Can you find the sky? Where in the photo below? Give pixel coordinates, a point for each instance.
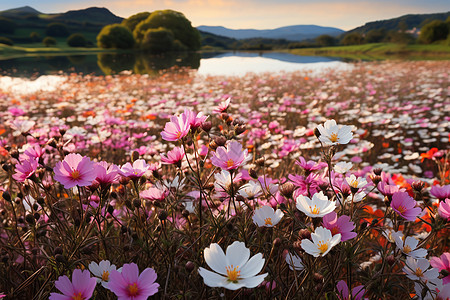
(255, 14)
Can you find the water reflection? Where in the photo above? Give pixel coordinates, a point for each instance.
(227, 63)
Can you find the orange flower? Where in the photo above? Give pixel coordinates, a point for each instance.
(429, 154)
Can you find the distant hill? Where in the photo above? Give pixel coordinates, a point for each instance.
(290, 33)
(98, 15)
(411, 21)
(24, 10)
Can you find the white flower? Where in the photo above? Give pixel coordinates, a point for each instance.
(322, 242)
(343, 167)
(317, 207)
(417, 269)
(266, 216)
(250, 190)
(232, 270)
(102, 271)
(409, 245)
(332, 134)
(294, 262)
(356, 183)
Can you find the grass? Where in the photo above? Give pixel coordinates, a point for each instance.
(7, 52)
(380, 51)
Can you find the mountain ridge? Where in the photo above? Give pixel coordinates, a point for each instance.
(292, 33)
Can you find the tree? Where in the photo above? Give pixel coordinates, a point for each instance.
(375, 36)
(158, 40)
(115, 36)
(7, 26)
(49, 41)
(354, 38)
(134, 20)
(77, 40)
(174, 21)
(325, 40)
(35, 37)
(434, 31)
(57, 30)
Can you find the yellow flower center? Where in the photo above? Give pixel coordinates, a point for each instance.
(233, 273)
(401, 209)
(133, 289)
(230, 163)
(77, 296)
(268, 221)
(315, 210)
(334, 137)
(75, 174)
(419, 272)
(105, 276)
(322, 247)
(406, 249)
(354, 184)
(178, 134)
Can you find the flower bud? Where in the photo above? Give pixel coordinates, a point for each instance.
(318, 277)
(287, 189)
(190, 266)
(418, 186)
(316, 132)
(137, 203)
(252, 173)
(124, 180)
(276, 242)
(220, 140)
(14, 153)
(390, 260)
(260, 162)
(162, 215)
(377, 171)
(6, 196)
(375, 179)
(304, 234)
(52, 143)
(30, 219)
(206, 126)
(239, 129)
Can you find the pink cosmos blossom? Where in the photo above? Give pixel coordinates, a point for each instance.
(174, 156)
(405, 206)
(310, 165)
(25, 169)
(81, 287)
(75, 170)
(107, 174)
(387, 189)
(195, 120)
(129, 285)
(440, 192)
(343, 293)
(231, 157)
(222, 106)
(442, 263)
(158, 193)
(177, 128)
(34, 151)
(341, 225)
(444, 209)
(136, 170)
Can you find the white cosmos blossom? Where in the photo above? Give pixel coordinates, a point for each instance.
(250, 190)
(232, 270)
(355, 182)
(294, 262)
(102, 270)
(322, 242)
(408, 245)
(343, 167)
(266, 216)
(317, 207)
(418, 269)
(332, 134)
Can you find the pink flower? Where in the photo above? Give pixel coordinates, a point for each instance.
(405, 206)
(75, 170)
(195, 120)
(107, 174)
(155, 193)
(222, 106)
(177, 128)
(230, 158)
(357, 291)
(444, 209)
(310, 165)
(442, 263)
(136, 170)
(174, 156)
(387, 189)
(25, 169)
(34, 151)
(129, 285)
(341, 225)
(440, 192)
(81, 287)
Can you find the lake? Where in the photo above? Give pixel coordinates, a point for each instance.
(227, 63)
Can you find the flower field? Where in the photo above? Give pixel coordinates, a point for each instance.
(302, 185)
